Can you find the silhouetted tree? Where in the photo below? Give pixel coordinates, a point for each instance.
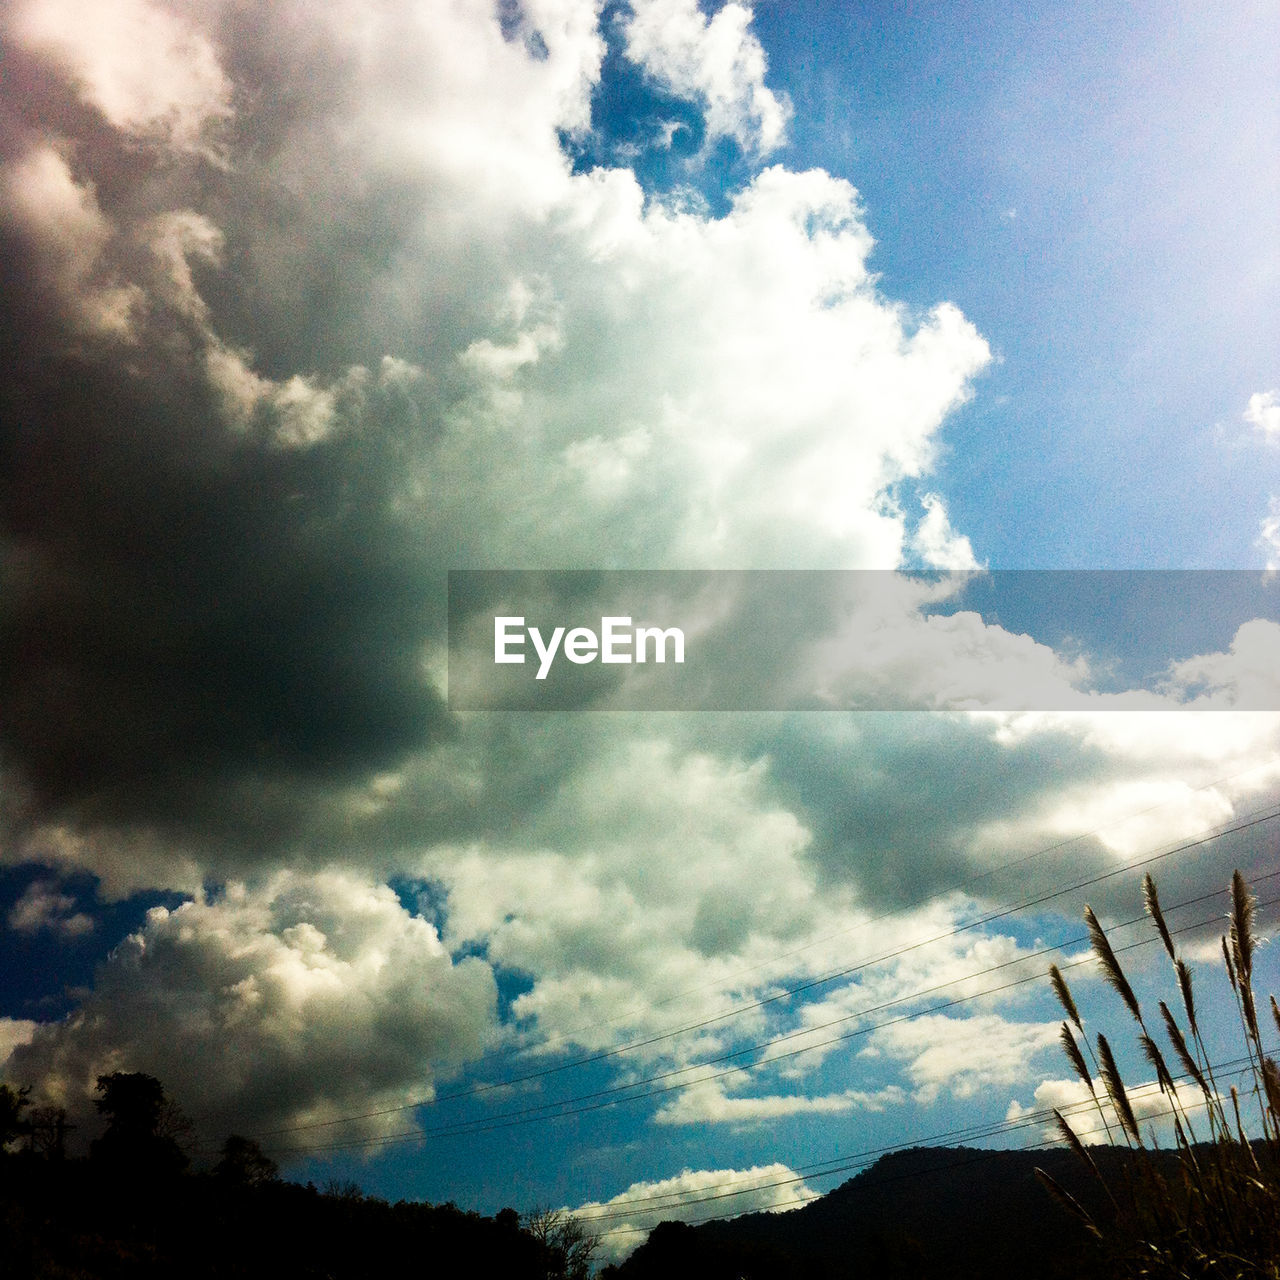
(569, 1245)
(47, 1131)
(138, 1140)
(245, 1164)
(343, 1189)
(13, 1102)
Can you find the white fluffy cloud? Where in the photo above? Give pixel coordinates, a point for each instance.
(43, 907)
(637, 894)
(1097, 1123)
(1263, 414)
(715, 61)
(709, 1103)
(678, 387)
(962, 1057)
(146, 66)
(937, 544)
(1246, 677)
(309, 998)
(625, 1220)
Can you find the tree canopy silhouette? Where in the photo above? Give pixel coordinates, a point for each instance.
(243, 1163)
(136, 1142)
(13, 1102)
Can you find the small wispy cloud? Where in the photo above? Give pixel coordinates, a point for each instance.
(1263, 414)
(43, 907)
(624, 1222)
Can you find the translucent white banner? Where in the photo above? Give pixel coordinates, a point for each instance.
(864, 640)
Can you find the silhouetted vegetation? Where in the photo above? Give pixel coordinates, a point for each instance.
(139, 1144)
(569, 1245)
(133, 1209)
(1207, 1207)
(1216, 1211)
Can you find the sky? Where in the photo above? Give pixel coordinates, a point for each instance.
(305, 307)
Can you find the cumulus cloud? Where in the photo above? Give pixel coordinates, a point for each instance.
(149, 70)
(714, 60)
(1246, 676)
(937, 544)
(625, 1220)
(297, 329)
(43, 907)
(961, 1057)
(231, 545)
(671, 872)
(709, 1103)
(1263, 414)
(1097, 1123)
(310, 998)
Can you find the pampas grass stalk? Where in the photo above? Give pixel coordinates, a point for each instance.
(1220, 1215)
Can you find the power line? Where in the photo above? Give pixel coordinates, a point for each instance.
(668, 1082)
(1213, 833)
(968, 882)
(864, 1159)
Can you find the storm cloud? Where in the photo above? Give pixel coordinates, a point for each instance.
(301, 309)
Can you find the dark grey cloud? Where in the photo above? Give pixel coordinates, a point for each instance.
(187, 608)
(269, 374)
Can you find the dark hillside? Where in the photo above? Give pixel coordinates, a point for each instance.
(66, 1221)
(928, 1212)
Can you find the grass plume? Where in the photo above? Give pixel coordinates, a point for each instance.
(1111, 969)
(1217, 1213)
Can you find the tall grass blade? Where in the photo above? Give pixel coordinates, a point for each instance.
(1189, 1064)
(1114, 1084)
(1063, 992)
(1074, 1056)
(1242, 911)
(1111, 969)
(1271, 1083)
(1156, 1058)
(1068, 1202)
(1152, 901)
(1188, 997)
(1204, 1211)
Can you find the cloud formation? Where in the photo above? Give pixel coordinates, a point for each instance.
(43, 907)
(1096, 1122)
(715, 61)
(264, 401)
(709, 1103)
(310, 999)
(294, 328)
(961, 1056)
(1263, 414)
(625, 1220)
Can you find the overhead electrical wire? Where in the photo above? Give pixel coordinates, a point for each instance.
(482, 1087)
(1213, 833)
(967, 883)
(662, 1201)
(581, 1104)
(604, 1098)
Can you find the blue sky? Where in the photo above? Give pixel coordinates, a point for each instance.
(1096, 188)
(300, 314)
